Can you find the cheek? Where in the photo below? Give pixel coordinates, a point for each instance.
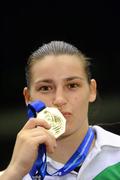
(80, 103)
(82, 98)
(46, 99)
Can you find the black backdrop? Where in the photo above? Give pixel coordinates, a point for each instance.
(94, 27)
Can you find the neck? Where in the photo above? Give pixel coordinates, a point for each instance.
(66, 146)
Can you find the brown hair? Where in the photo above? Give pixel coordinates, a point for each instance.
(56, 48)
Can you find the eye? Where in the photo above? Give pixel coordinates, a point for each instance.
(73, 85)
(45, 89)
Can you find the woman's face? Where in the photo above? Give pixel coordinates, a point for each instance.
(61, 81)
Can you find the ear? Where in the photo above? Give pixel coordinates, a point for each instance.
(26, 94)
(93, 90)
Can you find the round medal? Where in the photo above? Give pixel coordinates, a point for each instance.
(55, 118)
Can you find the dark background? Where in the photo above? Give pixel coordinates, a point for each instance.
(92, 26)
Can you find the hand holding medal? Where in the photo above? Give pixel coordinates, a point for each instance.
(50, 114)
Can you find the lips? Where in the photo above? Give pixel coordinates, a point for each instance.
(66, 114)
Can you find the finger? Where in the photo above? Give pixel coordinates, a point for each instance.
(34, 122)
(36, 136)
(46, 139)
(39, 131)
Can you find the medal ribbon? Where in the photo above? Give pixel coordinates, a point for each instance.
(40, 166)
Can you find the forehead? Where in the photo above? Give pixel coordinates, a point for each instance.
(66, 60)
(59, 66)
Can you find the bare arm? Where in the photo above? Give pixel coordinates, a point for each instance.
(26, 148)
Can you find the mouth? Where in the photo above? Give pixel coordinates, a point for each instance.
(66, 114)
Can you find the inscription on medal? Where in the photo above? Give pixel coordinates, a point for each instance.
(55, 118)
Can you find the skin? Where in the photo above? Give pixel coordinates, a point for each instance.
(59, 81)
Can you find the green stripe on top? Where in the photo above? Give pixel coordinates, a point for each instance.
(110, 173)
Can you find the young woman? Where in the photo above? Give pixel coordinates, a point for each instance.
(58, 74)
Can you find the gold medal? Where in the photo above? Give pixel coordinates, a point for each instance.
(55, 118)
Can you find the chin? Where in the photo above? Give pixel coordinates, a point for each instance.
(66, 134)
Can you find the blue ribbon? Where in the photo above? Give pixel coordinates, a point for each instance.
(35, 107)
(40, 166)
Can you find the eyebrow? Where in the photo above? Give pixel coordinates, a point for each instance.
(65, 79)
(45, 80)
(74, 77)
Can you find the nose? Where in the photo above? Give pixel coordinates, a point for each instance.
(59, 99)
